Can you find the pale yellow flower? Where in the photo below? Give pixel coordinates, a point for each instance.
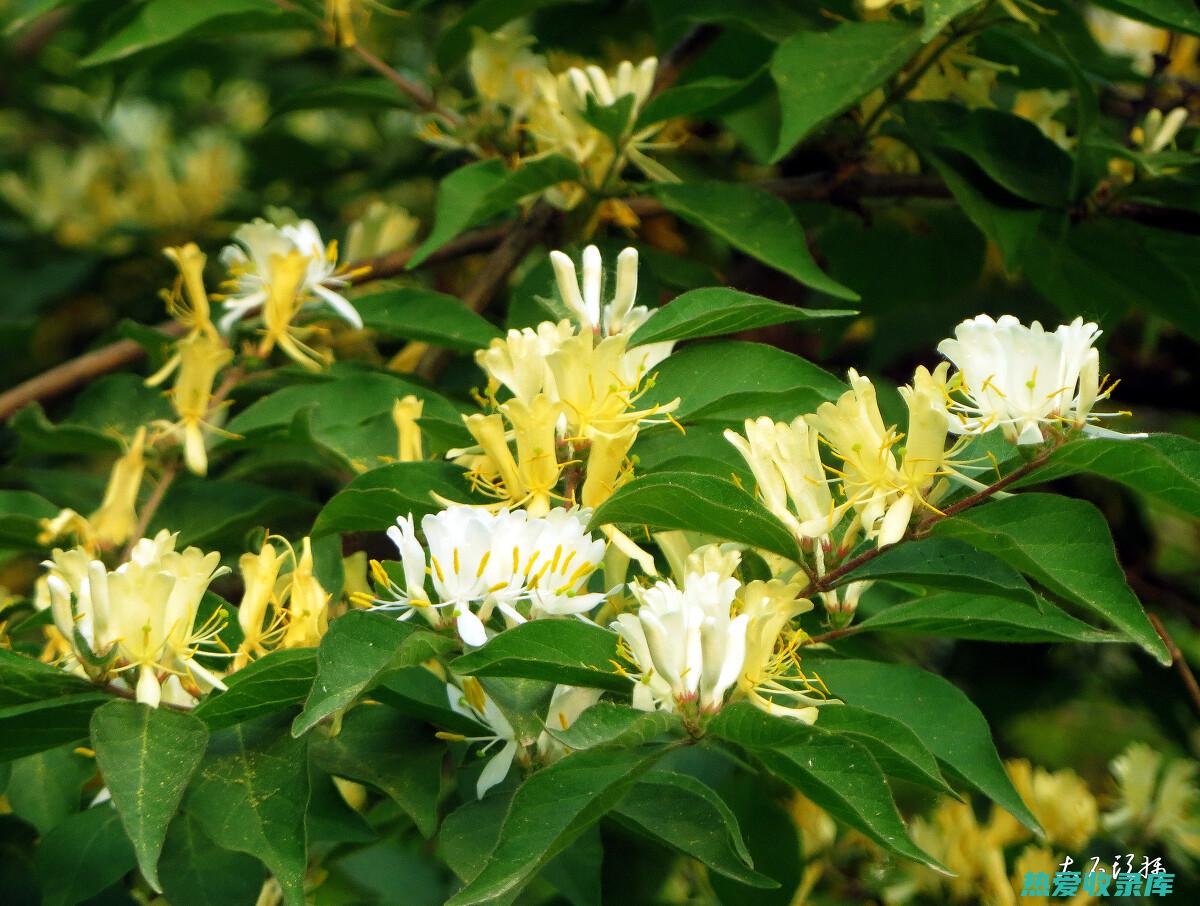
(201, 356)
(405, 413)
(259, 613)
(116, 520)
(307, 603)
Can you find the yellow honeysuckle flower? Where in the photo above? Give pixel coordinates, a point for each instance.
(201, 357)
(116, 519)
(259, 614)
(142, 615)
(607, 464)
(187, 302)
(534, 430)
(307, 603)
(405, 413)
(503, 68)
(771, 673)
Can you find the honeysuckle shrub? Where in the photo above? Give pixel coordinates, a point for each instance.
(582, 452)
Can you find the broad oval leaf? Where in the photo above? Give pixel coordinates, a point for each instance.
(194, 870)
(355, 653)
(422, 314)
(251, 793)
(567, 651)
(82, 856)
(374, 500)
(897, 749)
(751, 375)
(399, 756)
(940, 715)
(147, 756)
(689, 817)
(697, 502)
(275, 681)
(834, 771)
(823, 73)
(550, 810)
(948, 564)
(753, 221)
(611, 724)
(36, 726)
(717, 310)
(1064, 545)
(983, 618)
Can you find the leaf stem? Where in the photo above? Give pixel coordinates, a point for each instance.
(1180, 662)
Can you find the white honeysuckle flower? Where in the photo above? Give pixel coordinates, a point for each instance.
(472, 702)
(142, 614)
(481, 561)
(1158, 131)
(1024, 379)
(687, 646)
(252, 259)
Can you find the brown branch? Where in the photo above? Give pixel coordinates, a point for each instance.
(420, 95)
(151, 507)
(1180, 662)
(77, 371)
(675, 60)
(496, 270)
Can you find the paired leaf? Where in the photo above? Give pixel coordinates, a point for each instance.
(355, 653)
(21, 515)
(194, 870)
(1065, 545)
(567, 651)
(753, 221)
(147, 756)
(275, 681)
(821, 74)
(619, 726)
(696, 502)
(941, 716)
(36, 726)
(251, 793)
(897, 749)
(421, 314)
(717, 310)
(45, 788)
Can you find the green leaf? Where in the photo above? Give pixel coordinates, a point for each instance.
(330, 819)
(897, 749)
(26, 681)
(771, 837)
(717, 310)
(207, 512)
(82, 856)
(196, 871)
(940, 715)
(161, 21)
(1177, 15)
(421, 314)
(346, 94)
(753, 221)
(983, 618)
(355, 653)
(523, 702)
(696, 97)
(567, 651)
(21, 513)
(147, 756)
(751, 374)
(392, 753)
(251, 793)
(948, 564)
(834, 771)
(940, 13)
(45, 788)
(37, 726)
(551, 809)
(374, 500)
(700, 503)
(1164, 468)
(1064, 545)
(275, 681)
(1010, 149)
(821, 74)
(480, 191)
(619, 726)
(686, 815)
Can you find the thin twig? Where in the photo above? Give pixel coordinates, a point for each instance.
(675, 60)
(1180, 662)
(151, 507)
(420, 95)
